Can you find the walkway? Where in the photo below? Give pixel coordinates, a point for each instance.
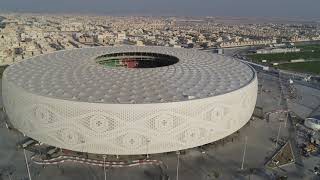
(62, 159)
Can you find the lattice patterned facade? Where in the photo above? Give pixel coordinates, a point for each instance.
(66, 99)
(124, 129)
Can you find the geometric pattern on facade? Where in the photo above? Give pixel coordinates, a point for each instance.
(76, 76)
(128, 129)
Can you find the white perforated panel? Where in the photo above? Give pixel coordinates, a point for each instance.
(75, 75)
(126, 129)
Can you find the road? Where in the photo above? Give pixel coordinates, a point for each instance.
(284, 77)
(291, 128)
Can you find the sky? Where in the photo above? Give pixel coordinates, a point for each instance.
(243, 8)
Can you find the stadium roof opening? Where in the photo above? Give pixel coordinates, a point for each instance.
(136, 60)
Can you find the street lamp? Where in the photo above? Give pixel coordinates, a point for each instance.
(244, 152)
(25, 157)
(178, 161)
(285, 125)
(278, 135)
(104, 167)
(148, 148)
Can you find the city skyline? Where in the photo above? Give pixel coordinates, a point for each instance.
(244, 8)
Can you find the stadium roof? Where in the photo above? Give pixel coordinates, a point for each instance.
(76, 75)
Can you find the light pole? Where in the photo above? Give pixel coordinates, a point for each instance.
(278, 135)
(25, 157)
(285, 123)
(261, 90)
(178, 161)
(104, 167)
(244, 151)
(148, 148)
(281, 88)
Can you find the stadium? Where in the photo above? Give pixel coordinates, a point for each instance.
(129, 100)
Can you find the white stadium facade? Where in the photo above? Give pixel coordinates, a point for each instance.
(129, 100)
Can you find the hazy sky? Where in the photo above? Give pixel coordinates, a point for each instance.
(260, 8)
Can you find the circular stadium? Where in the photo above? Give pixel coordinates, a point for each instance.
(129, 100)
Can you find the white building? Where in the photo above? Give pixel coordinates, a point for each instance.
(277, 50)
(121, 36)
(132, 111)
(313, 122)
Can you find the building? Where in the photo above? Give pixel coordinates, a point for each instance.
(129, 100)
(121, 36)
(277, 50)
(313, 122)
(139, 43)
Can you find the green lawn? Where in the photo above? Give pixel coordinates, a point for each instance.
(285, 57)
(310, 67)
(308, 52)
(315, 47)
